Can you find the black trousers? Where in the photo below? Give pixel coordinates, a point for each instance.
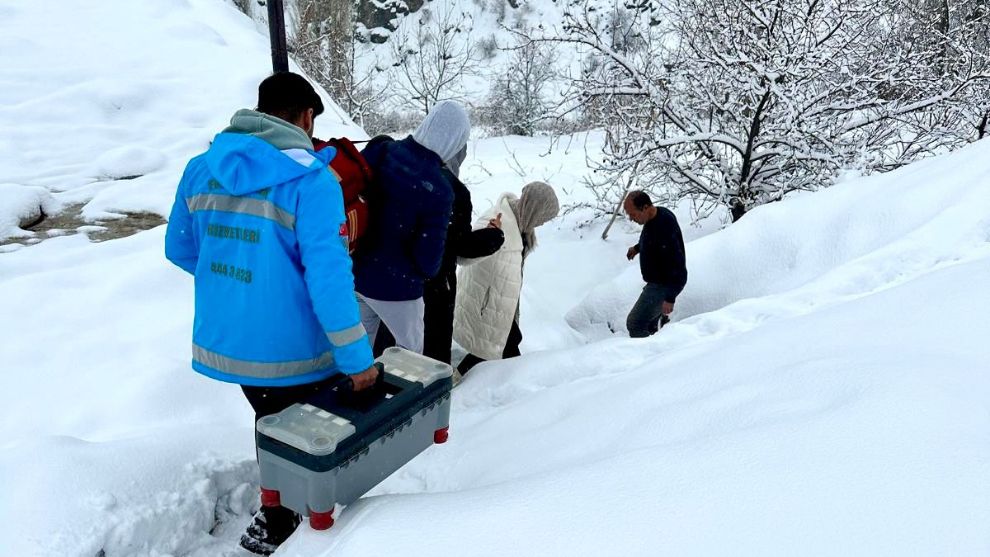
(271, 400)
(511, 350)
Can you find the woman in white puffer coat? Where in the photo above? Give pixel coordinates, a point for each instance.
(486, 316)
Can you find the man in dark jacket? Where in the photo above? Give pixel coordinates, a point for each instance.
(661, 260)
(440, 291)
(410, 205)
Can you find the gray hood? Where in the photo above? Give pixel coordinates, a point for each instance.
(276, 131)
(445, 130)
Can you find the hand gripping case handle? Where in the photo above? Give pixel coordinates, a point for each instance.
(345, 386)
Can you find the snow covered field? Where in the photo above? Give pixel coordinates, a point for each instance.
(102, 102)
(824, 389)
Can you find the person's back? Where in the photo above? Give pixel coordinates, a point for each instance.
(439, 292)
(239, 210)
(411, 206)
(661, 257)
(486, 314)
(411, 203)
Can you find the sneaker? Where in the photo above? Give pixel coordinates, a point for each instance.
(269, 529)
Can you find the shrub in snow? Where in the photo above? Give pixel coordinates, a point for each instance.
(517, 103)
(432, 60)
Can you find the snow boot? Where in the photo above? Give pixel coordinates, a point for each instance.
(269, 529)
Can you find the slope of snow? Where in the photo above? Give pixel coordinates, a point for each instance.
(823, 391)
(105, 101)
(856, 431)
(22, 204)
(848, 240)
(840, 409)
(812, 420)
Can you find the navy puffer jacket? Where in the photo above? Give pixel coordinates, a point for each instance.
(410, 204)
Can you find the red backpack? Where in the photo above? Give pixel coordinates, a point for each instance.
(354, 175)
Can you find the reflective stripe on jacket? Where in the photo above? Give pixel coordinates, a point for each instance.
(260, 229)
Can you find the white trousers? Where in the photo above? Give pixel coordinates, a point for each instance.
(404, 319)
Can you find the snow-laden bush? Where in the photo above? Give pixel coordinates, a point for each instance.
(740, 103)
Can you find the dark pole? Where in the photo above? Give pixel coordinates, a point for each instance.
(276, 30)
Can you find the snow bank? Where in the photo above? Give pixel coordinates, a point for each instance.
(21, 206)
(125, 163)
(847, 240)
(839, 409)
(96, 92)
(848, 432)
(115, 444)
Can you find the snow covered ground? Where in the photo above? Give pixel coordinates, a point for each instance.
(102, 102)
(824, 389)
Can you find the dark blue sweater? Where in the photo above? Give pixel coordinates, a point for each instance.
(661, 253)
(410, 205)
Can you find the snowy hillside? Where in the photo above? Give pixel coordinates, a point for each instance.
(823, 389)
(846, 416)
(103, 102)
(850, 240)
(840, 409)
(399, 45)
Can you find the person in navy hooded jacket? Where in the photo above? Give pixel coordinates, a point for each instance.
(411, 203)
(259, 221)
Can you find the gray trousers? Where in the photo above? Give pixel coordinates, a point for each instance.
(404, 319)
(646, 316)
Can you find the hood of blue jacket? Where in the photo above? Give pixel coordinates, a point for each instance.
(244, 164)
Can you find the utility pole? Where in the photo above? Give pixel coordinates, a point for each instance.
(276, 30)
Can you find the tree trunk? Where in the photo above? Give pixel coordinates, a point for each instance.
(615, 215)
(737, 208)
(340, 32)
(622, 199)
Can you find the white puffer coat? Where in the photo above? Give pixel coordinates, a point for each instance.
(488, 289)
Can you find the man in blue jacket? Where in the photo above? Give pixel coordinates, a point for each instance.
(410, 203)
(259, 222)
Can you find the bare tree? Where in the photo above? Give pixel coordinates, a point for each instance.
(738, 103)
(956, 36)
(325, 44)
(518, 100)
(433, 59)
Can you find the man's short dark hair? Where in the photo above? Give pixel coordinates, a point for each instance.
(287, 95)
(640, 200)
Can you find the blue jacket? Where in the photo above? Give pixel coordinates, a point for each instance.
(410, 205)
(261, 231)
